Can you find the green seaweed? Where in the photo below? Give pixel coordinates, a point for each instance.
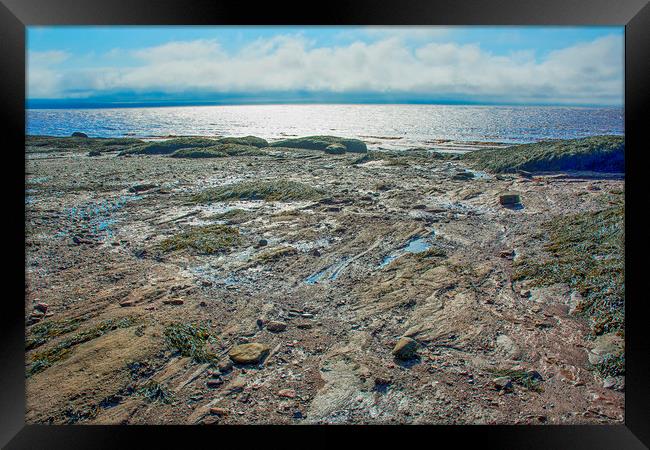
(45, 358)
(280, 190)
(587, 253)
(207, 239)
(42, 332)
(596, 153)
(190, 340)
(155, 392)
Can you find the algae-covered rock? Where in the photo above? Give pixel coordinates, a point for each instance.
(596, 153)
(49, 144)
(246, 140)
(280, 190)
(250, 353)
(322, 142)
(335, 149)
(218, 151)
(170, 146)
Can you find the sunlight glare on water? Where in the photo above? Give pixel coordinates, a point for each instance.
(386, 126)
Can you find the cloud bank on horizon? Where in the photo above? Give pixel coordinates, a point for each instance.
(355, 64)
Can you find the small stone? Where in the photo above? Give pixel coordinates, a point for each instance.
(219, 412)
(250, 353)
(508, 254)
(224, 366)
(609, 383)
(93, 153)
(41, 307)
(173, 301)
(276, 326)
(203, 303)
(262, 243)
(141, 187)
(405, 348)
(216, 382)
(534, 375)
(381, 381)
(127, 303)
(79, 134)
(288, 393)
(502, 383)
(509, 199)
(236, 385)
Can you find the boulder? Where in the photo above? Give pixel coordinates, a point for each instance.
(79, 134)
(94, 153)
(250, 353)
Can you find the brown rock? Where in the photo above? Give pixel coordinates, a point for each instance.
(405, 348)
(276, 326)
(173, 301)
(41, 307)
(250, 353)
(288, 393)
(219, 411)
(502, 384)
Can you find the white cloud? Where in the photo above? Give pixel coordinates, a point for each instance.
(589, 72)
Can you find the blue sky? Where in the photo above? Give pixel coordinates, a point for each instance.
(539, 65)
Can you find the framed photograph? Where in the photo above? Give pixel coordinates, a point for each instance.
(413, 217)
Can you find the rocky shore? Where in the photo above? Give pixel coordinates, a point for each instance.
(311, 280)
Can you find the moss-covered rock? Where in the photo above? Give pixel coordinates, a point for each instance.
(597, 153)
(322, 142)
(280, 190)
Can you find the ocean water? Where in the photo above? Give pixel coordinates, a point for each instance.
(381, 126)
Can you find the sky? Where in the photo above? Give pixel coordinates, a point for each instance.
(113, 66)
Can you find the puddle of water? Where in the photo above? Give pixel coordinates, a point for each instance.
(37, 180)
(315, 278)
(96, 218)
(332, 272)
(417, 244)
(478, 175)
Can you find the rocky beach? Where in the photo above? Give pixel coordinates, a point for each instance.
(204, 280)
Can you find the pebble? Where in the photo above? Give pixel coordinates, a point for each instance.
(219, 411)
(276, 326)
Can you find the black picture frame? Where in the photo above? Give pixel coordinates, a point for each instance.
(15, 15)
